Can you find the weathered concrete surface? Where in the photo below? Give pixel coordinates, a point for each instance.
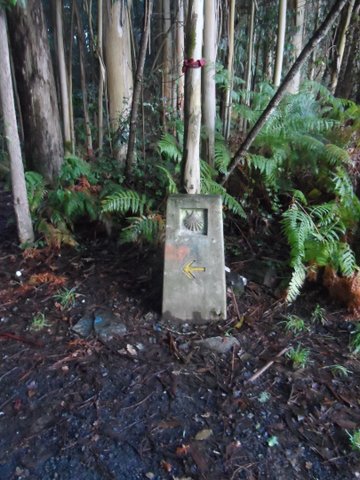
(194, 269)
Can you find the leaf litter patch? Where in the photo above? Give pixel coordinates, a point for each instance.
(147, 401)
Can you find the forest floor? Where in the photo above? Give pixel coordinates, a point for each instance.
(151, 403)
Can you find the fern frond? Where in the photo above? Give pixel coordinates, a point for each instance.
(170, 148)
(222, 155)
(144, 227)
(336, 155)
(296, 283)
(210, 187)
(346, 258)
(74, 168)
(123, 202)
(171, 184)
(35, 187)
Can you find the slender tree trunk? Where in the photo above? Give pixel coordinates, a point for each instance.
(313, 55)
(208, 78)
(100, 55)
(81, 42)
(63, 75)
(298, 7)
(340, 47)
(70, 78)
(280, 43)
(36, 86)
(274, 102)
(193, 39)
(119, 71)
(230, 70)
(130, 159)
(167, 59)
(180, 57)
(21, 205)
(345, 85)
(250, 55)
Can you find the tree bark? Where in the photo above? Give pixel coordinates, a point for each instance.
(36, 86)
(280, 43)
(274, 102)
(194, 35)
(63, 75)
(230, 70)
(21, 205)
(180, 57)
(298, 7)
(118, 60)
(100, 55)
(167, 60)
(340, 47)
(130, 158)
(81, 43)
(208, 78)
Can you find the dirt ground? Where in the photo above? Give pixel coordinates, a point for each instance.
(152, 403)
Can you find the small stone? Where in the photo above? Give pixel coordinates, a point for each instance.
(84, 326)
(219, 344)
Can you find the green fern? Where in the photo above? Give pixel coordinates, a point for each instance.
(36, 191)
(143, 227)
(171, 184)
(124, 201)
(170, 148)
(73, 168)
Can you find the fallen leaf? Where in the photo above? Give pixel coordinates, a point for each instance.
(166, 466)
(204, 434)
(131, 350)
(183, 450)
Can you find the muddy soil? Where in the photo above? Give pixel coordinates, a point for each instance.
(153, 403)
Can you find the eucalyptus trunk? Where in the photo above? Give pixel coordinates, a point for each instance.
(81, 43)
(63, 79)
(180, 57)
(280, 43)
(102, 73)
(21, 205)
(167, 90)
(130, 159)
(36, 87)
(298, 8)
(193, 39)
(340, 45)
(230, 72)
(118, 61)
(208, 79)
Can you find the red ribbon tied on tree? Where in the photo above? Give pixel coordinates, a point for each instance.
(191, 63)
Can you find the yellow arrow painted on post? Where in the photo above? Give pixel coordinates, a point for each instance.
(189, 270)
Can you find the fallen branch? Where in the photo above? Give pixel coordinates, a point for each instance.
(267, 366)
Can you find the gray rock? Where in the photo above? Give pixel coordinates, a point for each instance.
(84, 326)
(219, 344)
(107, 325)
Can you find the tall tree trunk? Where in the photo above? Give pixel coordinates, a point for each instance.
(100, 55)
(250, 55)
(340, 45)
(345, 85)
(230, 70)
(180, 57)
(274, 102)
(36, 86)
(63, 75)
(118, 60)
(130, 159)
(167, 60)
(70, 77)
(21, 205)
(81, 43)
(298, 8)
(312, 60)
(208, 78)
(193, 39)
(280, 43)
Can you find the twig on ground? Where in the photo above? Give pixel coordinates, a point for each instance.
(267, 365)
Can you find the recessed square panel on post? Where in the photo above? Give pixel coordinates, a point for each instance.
(194, 268)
